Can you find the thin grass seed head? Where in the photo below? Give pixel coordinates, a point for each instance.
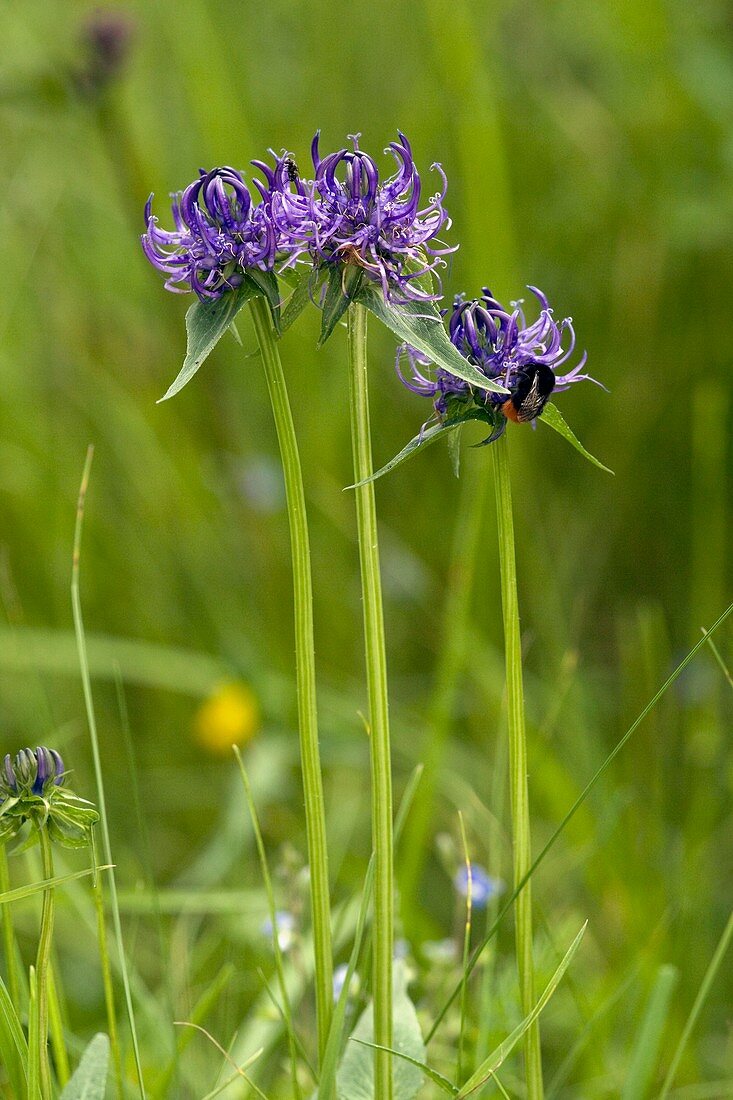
(530, 360)
(32, 788)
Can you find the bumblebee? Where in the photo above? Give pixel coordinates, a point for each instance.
(291, 170)
(530, 391)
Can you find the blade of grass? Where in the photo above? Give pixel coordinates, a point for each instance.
(56, 1029)
(502, 1052)
(13, 1045)
(34, 1060)
(21, 892)
(573, 810)
(225, 1054)
(279, 969)
(92, 722)
(11, 961)
(708, 979)
(649, 1036)
(437, 1078)
(466, 948)
(335, 1036)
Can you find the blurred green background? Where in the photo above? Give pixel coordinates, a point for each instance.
(589, 151)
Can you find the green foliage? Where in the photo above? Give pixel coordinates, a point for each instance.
(355, 1078)
(89, 1082)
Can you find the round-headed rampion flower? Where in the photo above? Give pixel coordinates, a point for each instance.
(218, 234)
(32, 789)
(345, 215)
(527, 359)
(483, 886)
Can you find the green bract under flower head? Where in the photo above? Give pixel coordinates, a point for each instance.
(32, 789)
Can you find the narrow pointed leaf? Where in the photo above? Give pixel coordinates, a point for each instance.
(419, 442)
(344, 281)
(554, 419)
(36, 887)
(299, 299)
(13, 1045)
(421, 326)
(90, 1080)
(355, 1079)
(266, 282)
(502, 1052)
(438, 1078)
(206, 323)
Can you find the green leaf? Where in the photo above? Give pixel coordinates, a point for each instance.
(90, 1080)
(344, 281)
(490, 1065)
(355, 1078)
(552, 416)
(266, 282)
(13, 1045)
(421, 326)
(437, 1078)
(299, 299)
(206, 323)
(22, 892)
(424, 439)
(454, 450)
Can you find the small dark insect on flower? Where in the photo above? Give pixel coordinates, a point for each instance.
(528, 359)
(531, 391)
(291, 170)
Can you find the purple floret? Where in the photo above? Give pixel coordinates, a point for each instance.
(502, 346)
(218, 234)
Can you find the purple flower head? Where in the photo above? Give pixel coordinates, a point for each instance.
(527, 359)
(347, 215)
(34, 772)
(218, 235)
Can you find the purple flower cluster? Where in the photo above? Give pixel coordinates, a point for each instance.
(344, 215)
(31, 772)
(527, 359)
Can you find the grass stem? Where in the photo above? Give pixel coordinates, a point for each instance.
(315, 814)
(43, 959)
(522, 851)
(376, 671)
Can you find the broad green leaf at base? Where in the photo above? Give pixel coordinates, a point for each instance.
(90, 1080)
(355, 1078)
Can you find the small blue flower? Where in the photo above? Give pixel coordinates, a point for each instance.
(286, 926)
(483, 886)
(339, 977)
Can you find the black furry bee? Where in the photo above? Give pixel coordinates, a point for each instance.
(531, 388)
(291, 170)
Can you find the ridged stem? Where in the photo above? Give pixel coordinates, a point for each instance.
(522, 851)
(376, 673)
(43, 959)
(315, 815)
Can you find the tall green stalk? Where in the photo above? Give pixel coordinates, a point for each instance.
(376, 672)
(315, 816)
(43, 959)
(522, 850)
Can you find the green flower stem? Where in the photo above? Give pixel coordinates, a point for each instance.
(42, 961)
(315, 816)
(11, 960)
(376, 670)
(522, 852)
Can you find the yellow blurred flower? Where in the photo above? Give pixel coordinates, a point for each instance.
(230, 716)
